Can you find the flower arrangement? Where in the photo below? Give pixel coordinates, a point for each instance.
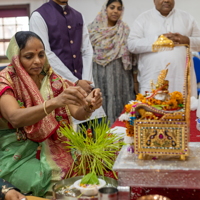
(174, 102)
(129, 129)
(128, 118)
(93, 152)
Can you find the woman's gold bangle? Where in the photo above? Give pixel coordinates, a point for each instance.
(44, 106)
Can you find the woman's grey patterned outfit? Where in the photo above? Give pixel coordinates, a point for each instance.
(117, 87)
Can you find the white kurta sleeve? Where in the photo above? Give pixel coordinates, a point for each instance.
(137, 42)
(195, 37)
(87, 54)
(38, 25)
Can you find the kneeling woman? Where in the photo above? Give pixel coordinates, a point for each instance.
(34, 102)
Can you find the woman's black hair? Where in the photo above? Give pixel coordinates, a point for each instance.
(111, 1)
(23, 36)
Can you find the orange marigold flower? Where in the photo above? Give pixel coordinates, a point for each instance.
(150, 101)
(140, 97)
(128, 107)
(144, 101)
(158, 102)
(129, 129)
(172, 103)
(178, 96)
(166, 107)
(164, 103)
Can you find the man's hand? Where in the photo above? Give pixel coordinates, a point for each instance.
(177, 38)
(86, 85)
(14, 195)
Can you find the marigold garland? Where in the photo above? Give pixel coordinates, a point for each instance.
(175, 101)
(128, 107)
(129, 129)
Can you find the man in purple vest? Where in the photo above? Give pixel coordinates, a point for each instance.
(67, 43)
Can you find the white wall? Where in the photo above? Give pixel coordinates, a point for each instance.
(90, 8)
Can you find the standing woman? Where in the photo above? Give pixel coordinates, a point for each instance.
(112, 67)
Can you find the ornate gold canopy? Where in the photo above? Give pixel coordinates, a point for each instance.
(163, 44)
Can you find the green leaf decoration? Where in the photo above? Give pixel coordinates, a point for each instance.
(180, 105)
(159, 107)
(20, 103)
(91, 179)
(59, 118)
(97, 154)
(53, 80)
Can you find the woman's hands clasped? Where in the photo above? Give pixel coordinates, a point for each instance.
(72, 95)
(94, 99)
(78, 97)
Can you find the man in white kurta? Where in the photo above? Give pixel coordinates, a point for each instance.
(178, 26)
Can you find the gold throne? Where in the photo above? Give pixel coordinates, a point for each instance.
(170, 134)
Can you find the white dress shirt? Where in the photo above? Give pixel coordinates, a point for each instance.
(39, 26)
(145, 31)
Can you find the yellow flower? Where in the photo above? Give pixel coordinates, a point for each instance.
(144, 101)
(158, 102)
(128, 107)
(151, 101)
(129, 129)
(166, 107)
(140, 97)
(177, 96)
(172, 103)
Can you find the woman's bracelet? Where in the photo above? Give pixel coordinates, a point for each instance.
(5, 190)
(88, 111)
(44, 107)
(76, 83)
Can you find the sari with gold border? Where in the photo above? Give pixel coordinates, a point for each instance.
(19, 148)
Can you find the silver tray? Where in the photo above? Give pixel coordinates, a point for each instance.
(73, 194)
(165, 171)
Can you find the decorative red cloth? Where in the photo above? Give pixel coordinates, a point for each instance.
(173, 194)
